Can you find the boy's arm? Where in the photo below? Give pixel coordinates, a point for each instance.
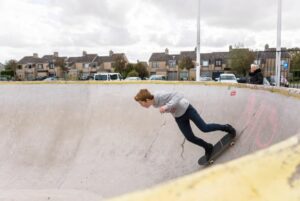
(175, 98)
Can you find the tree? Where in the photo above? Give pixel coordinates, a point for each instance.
(133, 73)
(119, 65)
(11, 67)
(129, 67)
(62, 65)
(240, 60)
(141, 69)
(295, 62)
(186, 63)
(295, 65)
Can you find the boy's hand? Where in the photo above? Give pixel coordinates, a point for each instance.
(163, 109)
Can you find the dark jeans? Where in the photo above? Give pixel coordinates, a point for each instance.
(184, 125)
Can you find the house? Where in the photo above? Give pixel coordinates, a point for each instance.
(168, 64)
(32, 67)
(106, 63)
(164, 64)
(89, 64)
(56, 64)
(267, 61)
(82, 66)
(212, 64)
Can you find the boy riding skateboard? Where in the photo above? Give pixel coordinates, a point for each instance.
(183, 112)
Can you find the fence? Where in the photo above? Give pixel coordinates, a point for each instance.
(294, 84)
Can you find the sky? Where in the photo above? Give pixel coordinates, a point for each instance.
(140, 27)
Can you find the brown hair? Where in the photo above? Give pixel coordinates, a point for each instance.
(143, 95)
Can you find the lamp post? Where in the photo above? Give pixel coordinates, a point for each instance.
(278, 48)
(198, 65)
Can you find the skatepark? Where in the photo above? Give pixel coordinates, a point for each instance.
(91, 141)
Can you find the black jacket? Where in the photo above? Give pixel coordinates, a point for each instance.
(256, 77)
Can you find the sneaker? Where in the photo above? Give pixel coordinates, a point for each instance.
(208, 151)
(230, 130)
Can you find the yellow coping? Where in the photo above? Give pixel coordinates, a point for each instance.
(269, 175)
(283, 91)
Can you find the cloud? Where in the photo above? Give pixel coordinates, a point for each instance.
(136, 26)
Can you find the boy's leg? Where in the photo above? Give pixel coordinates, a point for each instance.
(204, 127)
(185, 127)
(199, 122)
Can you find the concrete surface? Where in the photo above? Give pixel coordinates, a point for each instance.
(271, 174)
(94, 139)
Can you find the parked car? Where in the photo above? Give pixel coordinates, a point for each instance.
(206, 79)
(41, 78)
(266, 82)
(132, 78)
(241, 80)
(283, 81)
(50, 79)
(157, 77)
(2, 78)
(227, 78)
(107, 76)
(86, 77)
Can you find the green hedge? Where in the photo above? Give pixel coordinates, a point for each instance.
(7, 73)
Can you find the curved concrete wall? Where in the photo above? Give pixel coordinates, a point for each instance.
(271, 174)
(95, 138)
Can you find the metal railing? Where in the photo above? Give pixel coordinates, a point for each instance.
(294, 84)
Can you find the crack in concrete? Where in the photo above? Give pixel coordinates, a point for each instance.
(154, 140)
(182, 148)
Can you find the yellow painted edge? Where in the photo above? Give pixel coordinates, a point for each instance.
(290, 92)
(272, 174)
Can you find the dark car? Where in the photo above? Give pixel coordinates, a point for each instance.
(41, 78)
(242, 80)
(86, 77)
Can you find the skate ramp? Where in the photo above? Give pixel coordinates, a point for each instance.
(59, 141)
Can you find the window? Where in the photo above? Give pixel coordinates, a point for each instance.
(205, 63)
(172, 63)
(218, 63)
(86, 65)
(40, 66)
(183, 75)
(93, 65)
(101, 77)
(155, 65)
(51, 65)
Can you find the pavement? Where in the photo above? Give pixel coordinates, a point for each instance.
(93, 141)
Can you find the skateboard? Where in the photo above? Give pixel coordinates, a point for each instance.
(221, 146)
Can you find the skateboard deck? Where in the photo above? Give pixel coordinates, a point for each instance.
(221, 146)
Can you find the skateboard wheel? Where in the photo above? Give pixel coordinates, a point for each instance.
(211, 162)
(232, 143)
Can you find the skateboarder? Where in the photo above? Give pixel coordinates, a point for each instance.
(183, 111)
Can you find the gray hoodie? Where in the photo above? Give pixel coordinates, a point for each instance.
(175, 102)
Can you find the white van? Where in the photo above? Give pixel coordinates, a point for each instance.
(227, 78)
(107, 76)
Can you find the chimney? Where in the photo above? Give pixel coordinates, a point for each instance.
(84, 53)
(230, 48)
(166, 51)
(266, 46)
(55, 54)
(111, 52)
(35, 55)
